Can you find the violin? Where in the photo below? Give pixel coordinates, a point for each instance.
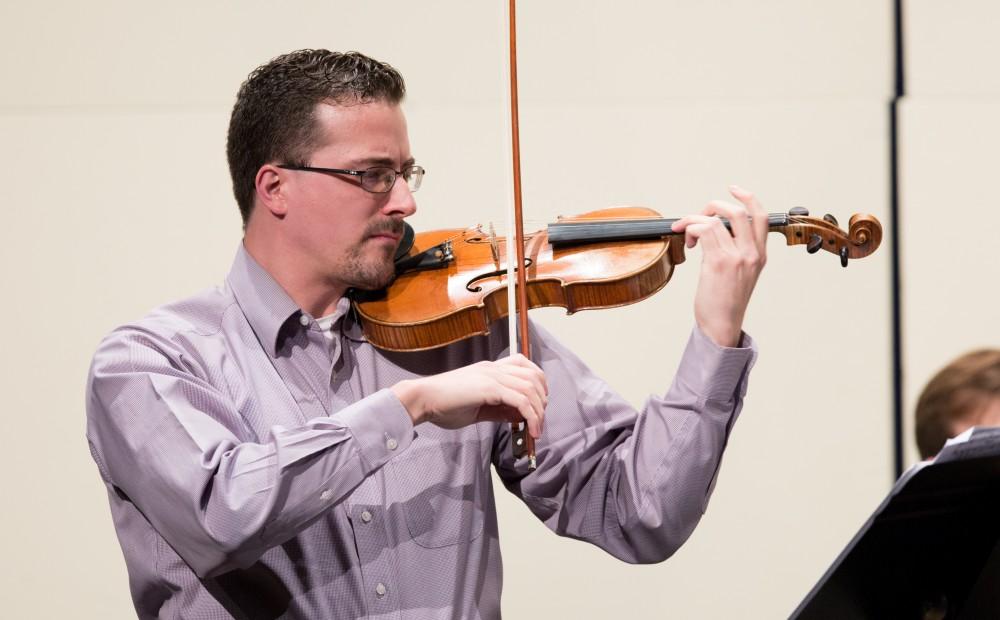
(452, 284)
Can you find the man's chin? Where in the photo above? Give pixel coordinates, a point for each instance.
(370, 272)
(370, 286)
(375, 281)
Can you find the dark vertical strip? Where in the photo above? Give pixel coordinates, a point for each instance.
(897, 318)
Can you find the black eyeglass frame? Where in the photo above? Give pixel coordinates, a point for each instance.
(361, 174)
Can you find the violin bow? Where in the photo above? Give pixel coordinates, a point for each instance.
(522, 442)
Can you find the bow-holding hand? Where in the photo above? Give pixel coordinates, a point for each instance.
(731, 262)
(510, 389)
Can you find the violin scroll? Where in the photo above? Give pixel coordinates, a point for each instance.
(863, 236)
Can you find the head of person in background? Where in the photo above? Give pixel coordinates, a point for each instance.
(963, 394)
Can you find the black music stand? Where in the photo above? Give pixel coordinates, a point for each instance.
(930, 551)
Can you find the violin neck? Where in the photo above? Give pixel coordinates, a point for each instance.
(594, 231)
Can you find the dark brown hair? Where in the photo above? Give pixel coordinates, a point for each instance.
(273, 118)
(960, 388)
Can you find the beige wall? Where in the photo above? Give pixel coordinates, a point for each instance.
(950, 128)
(116, 199)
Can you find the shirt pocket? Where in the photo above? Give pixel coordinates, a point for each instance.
(440, 484)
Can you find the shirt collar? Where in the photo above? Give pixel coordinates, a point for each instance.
(340, 318)
(265, 304)
(349, 325)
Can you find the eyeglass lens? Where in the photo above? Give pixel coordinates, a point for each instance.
(381, 180)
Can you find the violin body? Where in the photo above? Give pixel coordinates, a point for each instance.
(428, 308)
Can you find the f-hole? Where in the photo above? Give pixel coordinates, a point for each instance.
(471, 284)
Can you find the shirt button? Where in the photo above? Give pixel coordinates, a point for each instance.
(391, 444)
(326, 495)
(304, 320)
(380, 590)
(366, 516)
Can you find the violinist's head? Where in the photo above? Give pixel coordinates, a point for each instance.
(321, 109)
(963, 394)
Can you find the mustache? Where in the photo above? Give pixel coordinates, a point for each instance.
(393, 227)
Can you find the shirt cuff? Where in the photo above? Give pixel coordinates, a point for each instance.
(382, 428)
(715, 372)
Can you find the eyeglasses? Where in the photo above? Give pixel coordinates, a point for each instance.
(377, 180)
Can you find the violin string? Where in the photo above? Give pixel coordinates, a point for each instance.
(534, 224)
(597, 224)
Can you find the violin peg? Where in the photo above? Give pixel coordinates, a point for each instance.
(814, 244)
(843, 256)
(798, 211)
(829, 218)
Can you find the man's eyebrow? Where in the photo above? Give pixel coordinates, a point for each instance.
(369, 162)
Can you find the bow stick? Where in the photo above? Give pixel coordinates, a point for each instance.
(522, 442)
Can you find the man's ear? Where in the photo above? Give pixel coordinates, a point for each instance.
(270, 185)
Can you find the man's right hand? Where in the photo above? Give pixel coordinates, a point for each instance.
(507, 390)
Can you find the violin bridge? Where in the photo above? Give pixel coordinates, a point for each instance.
(494, 247)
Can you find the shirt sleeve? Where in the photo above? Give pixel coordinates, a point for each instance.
(633, 483)
(170, 442)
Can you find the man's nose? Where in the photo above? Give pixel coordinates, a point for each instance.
(401, 200)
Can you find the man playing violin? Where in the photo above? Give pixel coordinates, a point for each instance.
(263, 460)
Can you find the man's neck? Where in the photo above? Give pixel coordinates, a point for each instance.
(315, 295)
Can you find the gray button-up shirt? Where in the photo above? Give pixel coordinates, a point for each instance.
(258, 468)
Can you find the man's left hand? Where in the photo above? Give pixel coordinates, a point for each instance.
(731, 262)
